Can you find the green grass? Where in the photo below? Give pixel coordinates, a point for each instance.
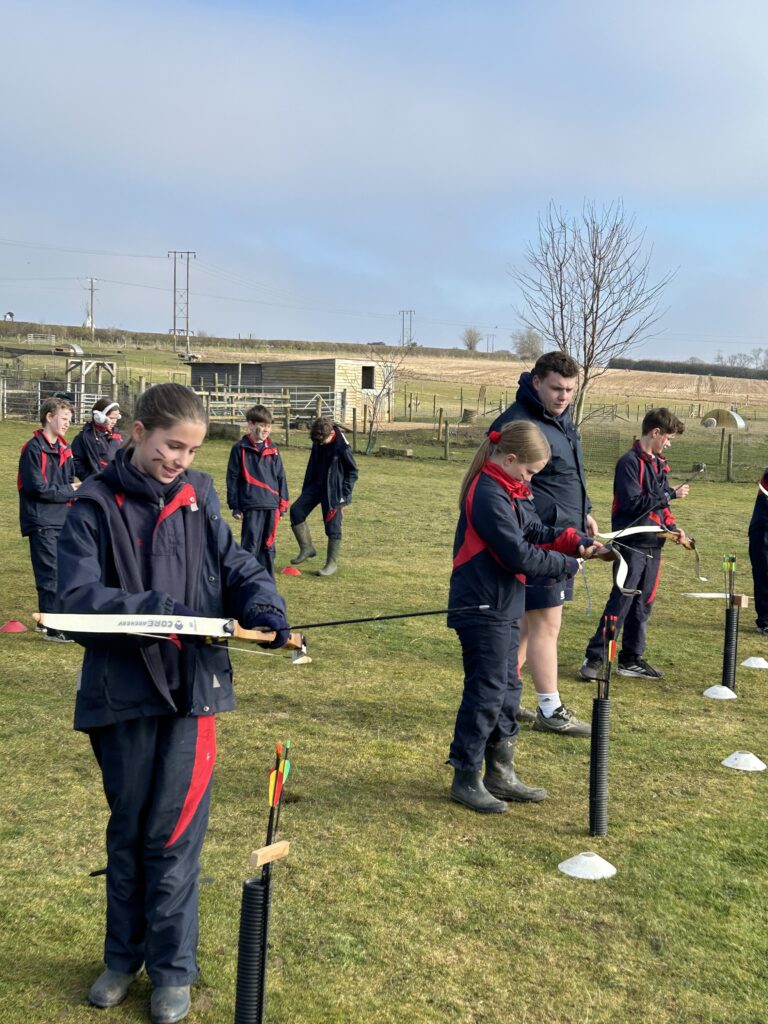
(396, 905)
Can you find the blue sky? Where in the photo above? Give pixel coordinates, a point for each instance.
(333, 163)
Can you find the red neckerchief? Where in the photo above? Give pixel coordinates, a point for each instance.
(514, 488)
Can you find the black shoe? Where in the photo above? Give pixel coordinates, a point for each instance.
(562, 721)
(111, 988)
(169, 1003)
(39, 628)
(57, 637)
(591, 670)
(639, 667)
(525, 715)
(763, 630)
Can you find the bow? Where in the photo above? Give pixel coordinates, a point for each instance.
(170, 627)
(611, 541)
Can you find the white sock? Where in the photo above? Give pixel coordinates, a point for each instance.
(548, 703)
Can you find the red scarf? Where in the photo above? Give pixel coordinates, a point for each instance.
(514, 488)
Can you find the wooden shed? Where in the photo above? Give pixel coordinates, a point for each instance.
(339, 384)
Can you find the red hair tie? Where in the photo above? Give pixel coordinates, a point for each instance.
(494, 436)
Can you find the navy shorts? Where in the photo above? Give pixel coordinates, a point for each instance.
(544, 592)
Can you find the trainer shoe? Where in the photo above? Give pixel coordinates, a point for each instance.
(591, 670)
(57, 637)
(525, 715)
(639, 667)
(39, 628)
(562, 721)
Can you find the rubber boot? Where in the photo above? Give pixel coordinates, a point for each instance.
(501, 779)
(306, 548)
(111, 988)
(169, 1003)
(468, 789)
(330, 567)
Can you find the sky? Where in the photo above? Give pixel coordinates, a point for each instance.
(333, 163)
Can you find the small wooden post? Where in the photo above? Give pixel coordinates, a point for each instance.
(439, 422)
(722, 444)
(318, 407)
(344, 406)
(354, 429)
(729, 464)
(447, 446)
(410, 409)
(365, 419)
(434, 407)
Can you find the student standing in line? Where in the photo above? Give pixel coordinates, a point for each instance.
(98, 442)
(641, 497)
(257, 490)
(560, 496)
(499, 542)
(758, 554)
(46, 483)
(146, 536)
(328, 482)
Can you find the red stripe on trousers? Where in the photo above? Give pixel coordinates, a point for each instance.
(655, 586)
(205, 758)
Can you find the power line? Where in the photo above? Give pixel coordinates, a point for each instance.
(83, 252)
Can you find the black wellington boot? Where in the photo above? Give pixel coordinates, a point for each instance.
(468, 789)
(306, 548)
(330, 567)
(501, 779)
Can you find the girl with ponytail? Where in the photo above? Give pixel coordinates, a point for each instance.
(499, 540)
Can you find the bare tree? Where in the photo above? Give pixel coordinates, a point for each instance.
(587, 288)
(388, 367)
(471, 338)
(527, 344)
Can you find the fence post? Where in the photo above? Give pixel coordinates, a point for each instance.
(434, 407)
(287, 404)
(722, 445)
(318, 407)
(354, 429)
(439, 422)
(405, 401)
(365, 419)
(729, 466)
(410, 409)
(344, 406)
(447, 445)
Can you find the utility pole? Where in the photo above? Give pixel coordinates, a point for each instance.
(410, 313)
(490, 342)
(181, 295)
(91, 323)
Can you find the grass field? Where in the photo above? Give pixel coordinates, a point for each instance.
(396, 905)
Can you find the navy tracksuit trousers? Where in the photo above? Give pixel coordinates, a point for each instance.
(758, 557)
(157, 775)
(492, 690)
(258, 535)
(632, 612)
(309, 499)
(43, 547)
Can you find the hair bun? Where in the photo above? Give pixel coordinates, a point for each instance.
(494, 436)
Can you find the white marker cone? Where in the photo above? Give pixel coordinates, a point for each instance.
(754, 663)
(744, 761)
(587, 865)
(720, 693)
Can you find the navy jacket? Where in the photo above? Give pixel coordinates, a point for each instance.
(123, 677)
(45, 478)
(641, 496)
(256, 476)
(759, 521)
(560, 489)
(341, 472)
(498, 543)
(93, 449)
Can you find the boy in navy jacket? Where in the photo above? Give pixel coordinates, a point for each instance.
(257, 490)
(758, 553)
(641, 497)
(328, 482)
(46, 483)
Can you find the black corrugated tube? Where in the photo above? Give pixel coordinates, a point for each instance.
(730, 645)
(598, 767)
(251, 989)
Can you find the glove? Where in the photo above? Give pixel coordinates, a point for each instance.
(272, 618)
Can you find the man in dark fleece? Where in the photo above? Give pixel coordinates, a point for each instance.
(560, 497)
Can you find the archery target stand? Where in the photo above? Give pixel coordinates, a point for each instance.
(726, 690)
(587, 865)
